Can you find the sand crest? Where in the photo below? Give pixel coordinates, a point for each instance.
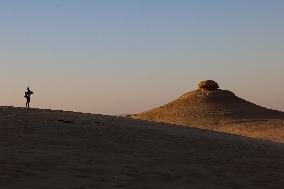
(56, 149)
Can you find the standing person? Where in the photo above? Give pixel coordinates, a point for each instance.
(28, 94)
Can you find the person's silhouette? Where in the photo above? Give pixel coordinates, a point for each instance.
(28, 94)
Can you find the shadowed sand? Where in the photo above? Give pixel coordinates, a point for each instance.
(55, 149)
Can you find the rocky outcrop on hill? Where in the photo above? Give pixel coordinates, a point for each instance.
(208, 85)
(211, 108)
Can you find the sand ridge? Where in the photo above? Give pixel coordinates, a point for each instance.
(56, 149)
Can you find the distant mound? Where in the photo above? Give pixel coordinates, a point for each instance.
(212, 108)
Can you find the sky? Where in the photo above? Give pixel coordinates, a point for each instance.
(127, 56)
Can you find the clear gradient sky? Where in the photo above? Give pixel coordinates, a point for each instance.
(127, 56)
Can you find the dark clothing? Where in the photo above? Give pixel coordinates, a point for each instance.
(28, 97)
(28, 94)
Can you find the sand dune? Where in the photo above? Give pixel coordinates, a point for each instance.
(56, 149)
(219, 110)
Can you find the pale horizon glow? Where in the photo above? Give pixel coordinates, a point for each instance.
(120, 57)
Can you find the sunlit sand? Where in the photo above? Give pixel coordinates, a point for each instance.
(220, 110)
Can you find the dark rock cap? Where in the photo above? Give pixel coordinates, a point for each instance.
(208, 85)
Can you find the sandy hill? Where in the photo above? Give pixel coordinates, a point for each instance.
(49, 149)
(211, 108)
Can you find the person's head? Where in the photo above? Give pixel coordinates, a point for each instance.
(28, 88)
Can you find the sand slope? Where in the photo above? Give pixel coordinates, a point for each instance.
(54, 149)
(220, 110)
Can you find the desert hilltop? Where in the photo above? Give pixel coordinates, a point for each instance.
(221, 110)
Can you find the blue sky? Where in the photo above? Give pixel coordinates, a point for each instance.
(126, 56)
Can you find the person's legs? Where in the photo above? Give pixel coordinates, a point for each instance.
(28, 103)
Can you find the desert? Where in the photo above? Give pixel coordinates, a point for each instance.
(55, 149)
(209, 107)
(141, 94)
